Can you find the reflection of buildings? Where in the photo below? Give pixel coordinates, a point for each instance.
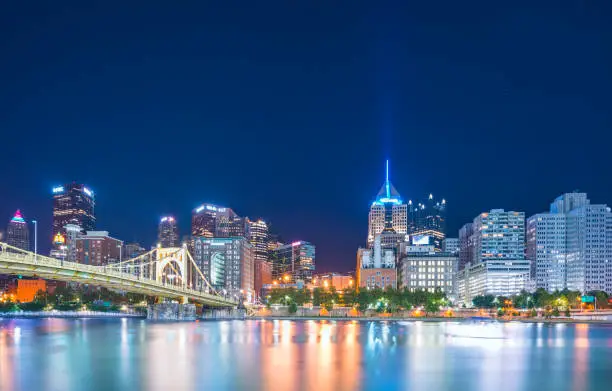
(17, 232)
(376, 266)
(387, 213)
(428, 219)
(167, 232)
(293, 262)
(500, 267)
(571, 245)
(227, 263)
(98, 248)
(424, 268)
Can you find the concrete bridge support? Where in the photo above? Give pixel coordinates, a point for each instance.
(171, 311)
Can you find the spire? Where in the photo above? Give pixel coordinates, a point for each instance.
(388, 193)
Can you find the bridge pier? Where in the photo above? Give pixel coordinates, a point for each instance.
(171, 311)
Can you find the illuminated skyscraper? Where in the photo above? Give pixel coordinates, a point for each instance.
(293, 262)
(167, 232)
(17, 232)
(72, 204)
(388, 212)
(427, 221)
(213, 221)
(257, 232)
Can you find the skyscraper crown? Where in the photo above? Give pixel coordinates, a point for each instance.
(388, 193)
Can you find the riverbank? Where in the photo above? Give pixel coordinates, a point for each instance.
(70, 314)
(434, 319)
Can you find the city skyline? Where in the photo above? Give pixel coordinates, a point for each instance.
(291, 121)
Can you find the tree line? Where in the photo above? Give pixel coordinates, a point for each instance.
(387, 300)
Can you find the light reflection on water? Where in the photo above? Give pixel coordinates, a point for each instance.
(115, 354)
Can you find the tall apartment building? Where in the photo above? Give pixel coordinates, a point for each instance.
(422, 267)
(571, 245)
(499, 267)
(167, 232)
(227, 264)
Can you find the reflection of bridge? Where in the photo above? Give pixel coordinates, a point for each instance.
(163, 272)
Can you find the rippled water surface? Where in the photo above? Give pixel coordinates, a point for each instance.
(122, 354)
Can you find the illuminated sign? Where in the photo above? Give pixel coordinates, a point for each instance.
(170, 218)
(199, 209)
(420, 240)
(588, 299)
(296, 244)
(58, 189)
(88, 192)
(210, 207)
(390, 200)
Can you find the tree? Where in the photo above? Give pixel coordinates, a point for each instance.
(432, 306)
(316, 297)
(541, 298)
(363, 299)
(484, 301)
(349, 297)
(293, 307)
(302, 296)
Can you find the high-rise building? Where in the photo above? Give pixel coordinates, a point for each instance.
(450, 245)
(500, 267)
(72, 204)
(167, 232)
(466, 245)
(73, 232)
(428, 219)
(97, 248)
(18, 233)
(571, 245)
(387, 213)
(213, 221)
(293, 262)
(257, 234)
(424, 268)
(376, 266)
(227, 264)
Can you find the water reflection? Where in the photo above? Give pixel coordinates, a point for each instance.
(56, 354)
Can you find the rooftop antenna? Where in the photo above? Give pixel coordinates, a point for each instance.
(387, 181)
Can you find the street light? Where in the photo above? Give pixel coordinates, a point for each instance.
(35, 239)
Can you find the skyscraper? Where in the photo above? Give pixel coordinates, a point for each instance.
(73, 204)
(17, 232)
(293, 262)
(212, 221)
(257, 234)
(500, 267)
(428, 219)
(466, 245)
(98, 248)
(167, 232)
(227, 264)
(388, 212)
(571, 245)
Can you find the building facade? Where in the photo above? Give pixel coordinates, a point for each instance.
(428, 219)
(466, 245)
(424, 268)
(451, 246)
(73, 204)
(293, 262)
(376, 266)
(97, 248)
(167, 232)
(571, 245)
(18, 233)
(227, 264)
(257, 235)
(499, 266)
(387, 213)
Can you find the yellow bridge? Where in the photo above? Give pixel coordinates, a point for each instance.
(163, 272)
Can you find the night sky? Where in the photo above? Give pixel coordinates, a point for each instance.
(288, 110)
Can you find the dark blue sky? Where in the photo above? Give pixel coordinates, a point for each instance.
(288, 110)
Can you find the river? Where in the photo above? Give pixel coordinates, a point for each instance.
(133, 354)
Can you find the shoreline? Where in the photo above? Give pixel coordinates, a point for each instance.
(430, 320)
(68, 315)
